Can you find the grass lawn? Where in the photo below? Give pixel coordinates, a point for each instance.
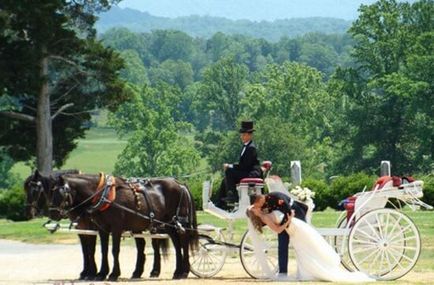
(97, 152)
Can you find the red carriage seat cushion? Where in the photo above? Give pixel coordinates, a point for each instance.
(381, 182)
(249, 180)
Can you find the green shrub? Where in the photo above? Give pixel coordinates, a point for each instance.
(344, 186)
(323, 196)
(12, 204)
(195, 186)
(428, 188)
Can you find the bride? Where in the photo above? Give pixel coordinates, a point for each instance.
(316, 259)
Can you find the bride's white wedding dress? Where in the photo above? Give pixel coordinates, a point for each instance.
(316, 259)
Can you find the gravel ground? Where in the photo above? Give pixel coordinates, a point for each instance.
(55, 264)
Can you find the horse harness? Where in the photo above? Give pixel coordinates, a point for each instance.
(141, 186)
(106, 190)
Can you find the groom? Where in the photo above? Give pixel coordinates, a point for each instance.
(281, 202)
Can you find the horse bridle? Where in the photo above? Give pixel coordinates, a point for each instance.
(67, 200)
(36, 189)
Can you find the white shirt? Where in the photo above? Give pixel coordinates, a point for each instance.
(244, 148)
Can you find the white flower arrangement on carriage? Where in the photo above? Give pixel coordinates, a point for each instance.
(302, 194)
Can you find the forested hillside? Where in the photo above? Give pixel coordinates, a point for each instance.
(206, 26)
(340, 103)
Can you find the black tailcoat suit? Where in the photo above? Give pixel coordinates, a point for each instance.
(248, 166)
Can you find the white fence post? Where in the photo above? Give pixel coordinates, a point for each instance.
(296, 172)
(385, 168)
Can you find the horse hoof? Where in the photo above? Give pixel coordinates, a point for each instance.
(136, 276)
(184, 275)
(113, 278)
(100, 277)
(177, 276)
(154, 274)
(90, 278)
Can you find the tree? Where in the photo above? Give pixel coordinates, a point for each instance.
(175, 72)
(134, 70)
(50, 63)
(291, 99)
(388, 93)
(221, 91)
(156, 146)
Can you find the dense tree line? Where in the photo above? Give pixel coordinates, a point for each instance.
(340, 103)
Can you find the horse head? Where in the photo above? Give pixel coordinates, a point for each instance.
(62, 198)
(36, 189)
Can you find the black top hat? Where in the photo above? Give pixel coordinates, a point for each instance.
(247, 127)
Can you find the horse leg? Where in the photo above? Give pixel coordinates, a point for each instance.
(177, 244)
(157, 258)
(91, 245)
(104, 270)
(116, 245)
(141, 258)
(84, 250)
(185, 243)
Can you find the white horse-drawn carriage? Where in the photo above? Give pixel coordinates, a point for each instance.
(370, 236)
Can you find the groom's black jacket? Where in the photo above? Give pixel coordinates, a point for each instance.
(284, 203)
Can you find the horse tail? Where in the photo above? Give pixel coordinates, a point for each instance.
(192, 220)
(164, 245)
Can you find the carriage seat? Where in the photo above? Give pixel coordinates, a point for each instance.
(385, 182)
(265, 167)
(250, 180)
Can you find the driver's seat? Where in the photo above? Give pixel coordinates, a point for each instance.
(249, 185)
(265, 167)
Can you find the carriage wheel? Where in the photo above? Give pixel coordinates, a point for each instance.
(210, 255)
(250, 261)
(384, 243)
(341, 246)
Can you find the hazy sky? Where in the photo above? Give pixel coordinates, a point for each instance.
(256, 10)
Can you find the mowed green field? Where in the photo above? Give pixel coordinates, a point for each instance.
(97, 152)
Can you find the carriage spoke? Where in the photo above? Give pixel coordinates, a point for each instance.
(402, 255)
(402, 232)
(380, 230)
(367, 257)
(373, 230)
(364, 233)
(412, 248)
(396, 259)
(382, 261)
(395, 225)
(359, 241)
(374, 260)
(386, 226)
(403, 239)
(363, 249)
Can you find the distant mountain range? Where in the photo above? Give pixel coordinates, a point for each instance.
(206, 26)
(254, 10)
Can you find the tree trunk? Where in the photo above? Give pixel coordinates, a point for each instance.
(44, 135)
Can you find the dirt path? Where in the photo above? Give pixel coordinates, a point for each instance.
(22, 263)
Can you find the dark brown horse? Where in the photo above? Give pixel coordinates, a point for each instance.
(165, 206)
(38, 189)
